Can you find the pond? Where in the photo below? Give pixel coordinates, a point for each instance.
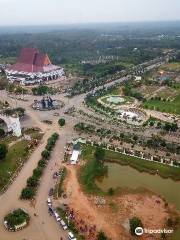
(127, 177)
(115, 99)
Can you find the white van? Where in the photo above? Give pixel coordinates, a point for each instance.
(63, 224)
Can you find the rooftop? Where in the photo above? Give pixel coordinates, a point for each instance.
(32, 61)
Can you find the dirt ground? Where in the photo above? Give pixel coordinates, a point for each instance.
(113, 215)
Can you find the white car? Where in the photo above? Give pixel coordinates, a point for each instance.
(49, 203)
(58, 219)
(71, 236)
(63, 224)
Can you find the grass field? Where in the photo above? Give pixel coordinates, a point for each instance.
(7, 60)
(174, 67)
(89, 171)
(16, 155)
(168, 106)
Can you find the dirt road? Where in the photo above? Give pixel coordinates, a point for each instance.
(41, 227)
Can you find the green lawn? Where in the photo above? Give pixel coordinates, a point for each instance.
(169, 107)
(16, 154)
(174, 67)
(9, 60)
(88, 172)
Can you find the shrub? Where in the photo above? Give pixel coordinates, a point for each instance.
(99, 154)
(61, 122)
(18, 216)
(55, 136)
(32, 181)
(3, 151)
(101, 236)
(134, 223)
(49, 147)
(111, 191)
(45, 154)
(37, 172)
(2, 132)
(27, 193)
(42, 163)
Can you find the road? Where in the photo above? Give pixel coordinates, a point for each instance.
(43, 226)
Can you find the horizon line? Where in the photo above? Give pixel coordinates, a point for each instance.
(90, 23)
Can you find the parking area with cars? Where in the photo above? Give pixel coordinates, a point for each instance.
(58, 219)
(52, 211)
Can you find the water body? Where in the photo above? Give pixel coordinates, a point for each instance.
(115, 99)
(127, 177)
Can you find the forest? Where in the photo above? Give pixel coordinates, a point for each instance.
(125, 43)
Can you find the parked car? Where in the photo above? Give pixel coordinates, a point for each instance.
(55, 175)
(51, 210)
(71, 236)
(51, 191)
(58, 219)
(49, 203)
(63, 224)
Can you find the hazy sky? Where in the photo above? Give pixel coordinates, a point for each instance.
(23, 12)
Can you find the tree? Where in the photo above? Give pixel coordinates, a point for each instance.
(42, 163)
(99, 154)
(61, 122)
(134, 223)
(27, 193)
(32, 181)
(3, 151)
(20, 111)
(45, 154)
(55, 136)
(111, 191)
(18, 216)
(101, 236)
(37, 172)
(2, 132)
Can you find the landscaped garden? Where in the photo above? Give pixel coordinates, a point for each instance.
(30, 190)
(164, 105)
(18, 151)
(16, 220)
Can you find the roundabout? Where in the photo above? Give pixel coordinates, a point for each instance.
(125, 108)
(46, 103)
(16, 220)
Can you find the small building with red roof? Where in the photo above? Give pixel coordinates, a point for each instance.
(33, 66)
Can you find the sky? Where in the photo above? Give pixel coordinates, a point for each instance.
(47, 12)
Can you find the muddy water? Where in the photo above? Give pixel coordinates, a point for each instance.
(127, 177)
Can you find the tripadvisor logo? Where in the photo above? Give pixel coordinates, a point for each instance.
(139, 231)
